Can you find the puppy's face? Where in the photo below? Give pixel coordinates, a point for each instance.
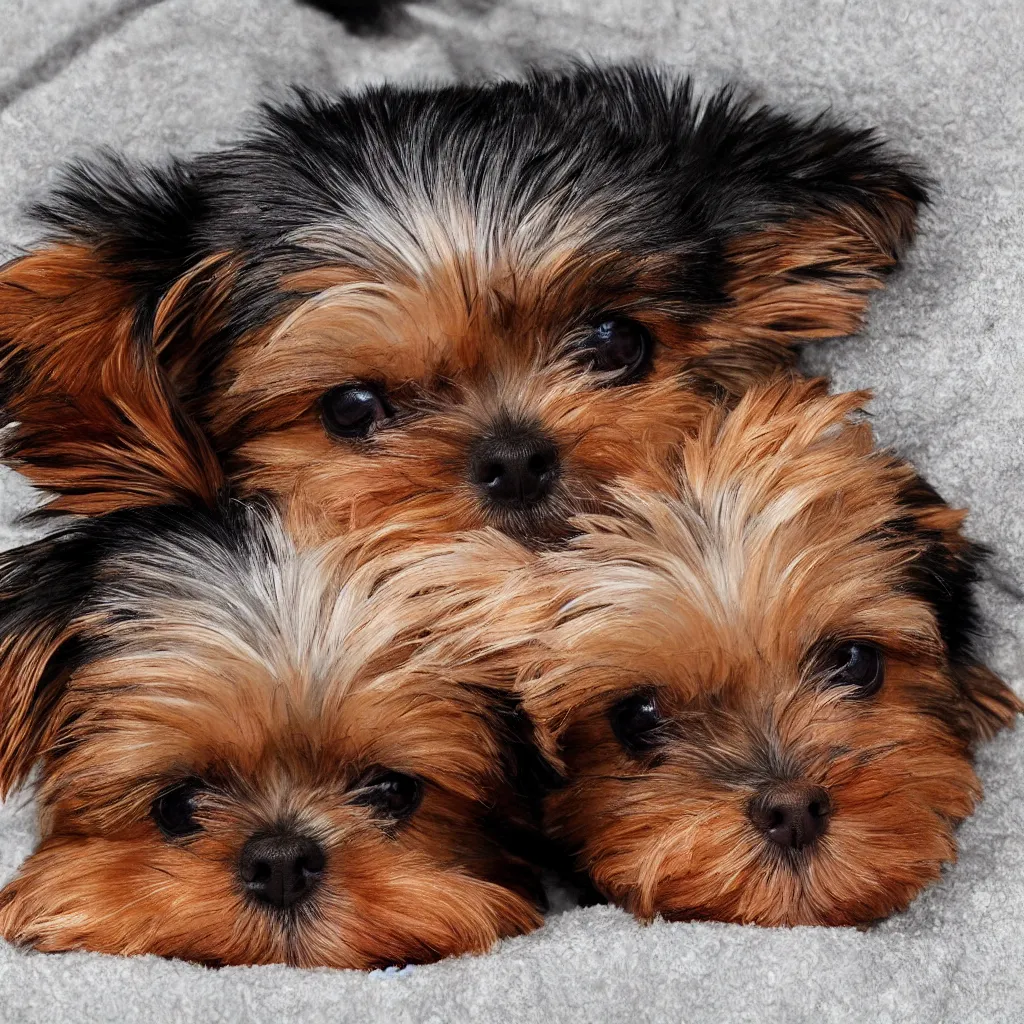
(245, 762)
(456, 307)
(473, 398)
(765, 699)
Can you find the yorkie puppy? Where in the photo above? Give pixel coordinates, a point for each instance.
(461, 306)
(254, 756)
(761, 683)
(251, 754)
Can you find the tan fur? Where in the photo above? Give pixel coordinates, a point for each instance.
(459, 327)
(804, 280)
(281, 694)
(781, 530)
(460, 336)
(96, 421)
(454, 355)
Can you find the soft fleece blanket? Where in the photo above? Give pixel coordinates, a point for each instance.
(944, 353)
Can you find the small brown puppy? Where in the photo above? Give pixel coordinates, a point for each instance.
(455, 307)
(761, 682)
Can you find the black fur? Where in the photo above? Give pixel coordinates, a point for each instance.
(55, 579)
(43, 588)
(15, 375)
(59, 585)
(943, 577)
(48, 581)
(531, 772)
(52, 587)
(670, 175)
(141, 220)
(358, 16)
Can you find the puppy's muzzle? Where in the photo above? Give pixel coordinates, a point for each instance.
(515, 469)
(281, 869)
(792, 816)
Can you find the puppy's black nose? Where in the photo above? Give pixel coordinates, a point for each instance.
(792, 816)
(515, 468)
(281, 868)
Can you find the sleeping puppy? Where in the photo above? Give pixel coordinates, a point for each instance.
(761, 681)
(453, 307)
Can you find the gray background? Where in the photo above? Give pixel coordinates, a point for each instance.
(943, 352)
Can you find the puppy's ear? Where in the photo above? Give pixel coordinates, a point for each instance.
(813, 215)
(945, 574)
(989, 705)
(141, 230)
(139, 223)
(96, 420)
(43, 590)
(532, 765)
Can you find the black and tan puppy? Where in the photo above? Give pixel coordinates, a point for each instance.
(762, 678)
(453, 307)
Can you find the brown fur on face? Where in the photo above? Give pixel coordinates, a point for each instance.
(717, 608)
(459, 360)
(463, 349)
(184, 647)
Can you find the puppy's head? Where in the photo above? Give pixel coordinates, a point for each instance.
(762, 685)
(473, 305)
(251, 755)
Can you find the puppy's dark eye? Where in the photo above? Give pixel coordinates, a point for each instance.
(353, 410)
(618, 346)
(174, 809)
(389, 794)
(637, 723)
(859, 665)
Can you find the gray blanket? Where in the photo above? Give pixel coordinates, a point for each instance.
(944, 353)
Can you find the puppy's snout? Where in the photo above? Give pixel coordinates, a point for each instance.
(792, 816)
(282, 868)
(515, 468)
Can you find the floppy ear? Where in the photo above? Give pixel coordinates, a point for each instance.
(989, 705)
(96, 420)
(813, 215)
(43, 587)
(945, 575)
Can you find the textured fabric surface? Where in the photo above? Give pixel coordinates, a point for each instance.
(944, 353)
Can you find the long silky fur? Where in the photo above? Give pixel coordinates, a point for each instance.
(154, 644)
(780, 532)
(447, 218)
